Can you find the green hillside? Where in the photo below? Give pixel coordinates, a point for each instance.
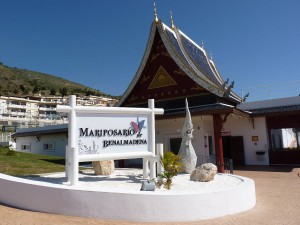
(22, 82)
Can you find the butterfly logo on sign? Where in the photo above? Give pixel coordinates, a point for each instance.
(137, 126)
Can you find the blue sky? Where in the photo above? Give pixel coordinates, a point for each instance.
(101, 43)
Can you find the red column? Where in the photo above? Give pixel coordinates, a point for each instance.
(218, 142)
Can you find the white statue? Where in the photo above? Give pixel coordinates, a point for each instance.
(187, 152)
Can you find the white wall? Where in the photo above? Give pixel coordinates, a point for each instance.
(203, 126)
(239, 126)
(37, 146)
(166, 129)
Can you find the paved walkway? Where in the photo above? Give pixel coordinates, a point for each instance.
(278, 202)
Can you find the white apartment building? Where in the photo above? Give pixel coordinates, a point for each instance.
(17, 112)
(37, 111)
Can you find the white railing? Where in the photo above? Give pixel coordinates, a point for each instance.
(16, 106)
(19, 114)
(47, 109)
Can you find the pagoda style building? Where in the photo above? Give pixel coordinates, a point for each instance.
(175, 68)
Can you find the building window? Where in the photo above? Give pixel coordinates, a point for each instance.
(25, 147)
(285, 139)
(49, 147)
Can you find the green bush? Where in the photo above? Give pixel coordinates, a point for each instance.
(7, 150)
(172, 165)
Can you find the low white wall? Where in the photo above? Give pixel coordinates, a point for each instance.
(138, 206)
(37, 144)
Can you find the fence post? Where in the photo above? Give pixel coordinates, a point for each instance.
(231, 166)
(72, 141)
(145, 167)
(152, 168)
(159, 155)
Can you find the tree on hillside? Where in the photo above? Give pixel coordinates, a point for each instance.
(89, 92)
(52, 91)
(33, 82)
(26, 92)
(35, 90)
(16, 91)
(63, 91)
(22, 87)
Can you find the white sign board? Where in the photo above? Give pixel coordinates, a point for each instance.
(108, 133)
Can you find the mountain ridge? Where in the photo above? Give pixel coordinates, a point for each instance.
(22, 82)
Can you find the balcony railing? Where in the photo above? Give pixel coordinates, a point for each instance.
(47, 108)
(16, 106)
(18, 113)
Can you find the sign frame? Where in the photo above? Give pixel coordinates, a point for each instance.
(72, 156)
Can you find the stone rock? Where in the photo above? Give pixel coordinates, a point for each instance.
(204, 173)
(105, 167)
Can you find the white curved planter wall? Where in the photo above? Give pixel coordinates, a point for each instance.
(139, 206)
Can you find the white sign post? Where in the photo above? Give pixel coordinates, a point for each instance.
(109, 133)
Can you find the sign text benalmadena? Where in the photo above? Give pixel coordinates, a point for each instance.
(108, 134)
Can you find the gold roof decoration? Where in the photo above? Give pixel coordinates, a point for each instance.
(161, 79)
(155, 14)
(172, 21)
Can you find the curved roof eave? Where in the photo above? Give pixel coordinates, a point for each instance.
(235, 97)
(188, 69)
(216, 71)
(142, 65)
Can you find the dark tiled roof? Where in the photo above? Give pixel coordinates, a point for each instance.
(175, 44)
(201, 110)
(275, 110)
(41, 130)
(190, 58)
(199, 58)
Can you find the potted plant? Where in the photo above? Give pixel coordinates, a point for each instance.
(172, 165)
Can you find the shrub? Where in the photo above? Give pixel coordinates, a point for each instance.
(172, 165)
(7, 150)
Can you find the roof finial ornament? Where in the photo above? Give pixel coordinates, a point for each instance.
(155, 14)
(245, 97)
(202, 43)
(228, 90)
(172, 21)
(211, 56)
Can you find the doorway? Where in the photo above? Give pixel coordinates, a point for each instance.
(233, 148)
(175, 145)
